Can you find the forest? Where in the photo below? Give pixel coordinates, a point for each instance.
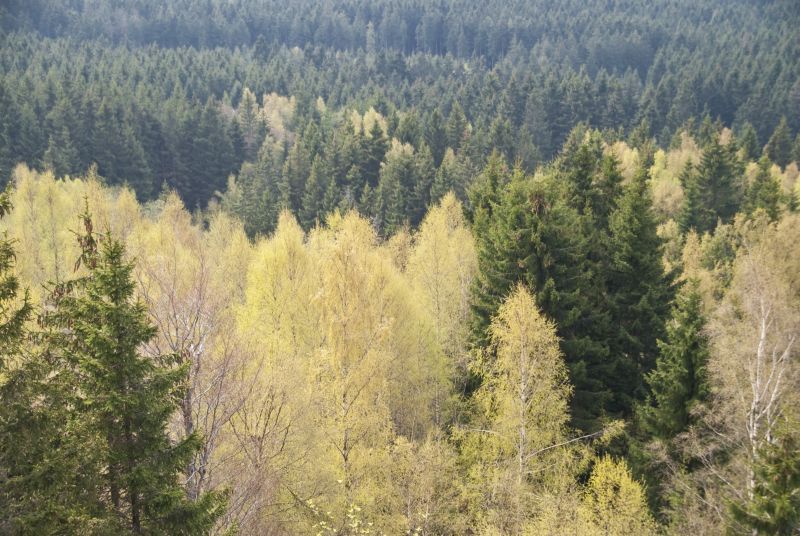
(350, 267)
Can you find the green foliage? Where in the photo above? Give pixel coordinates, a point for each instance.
(526, 232)
(774, 507)
(679, 380)
(639, 291)
(713, 189)
(779, 146)
(97, 455)
(15, 309)
(747, 140)
(763, 192)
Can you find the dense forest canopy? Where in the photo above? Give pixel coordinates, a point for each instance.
(429, 268)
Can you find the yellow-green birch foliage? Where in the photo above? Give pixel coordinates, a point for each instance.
(441, 268)
(614, 503)
(523, 402)
(45, 218)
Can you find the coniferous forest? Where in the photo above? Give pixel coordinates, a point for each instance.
(400, 268)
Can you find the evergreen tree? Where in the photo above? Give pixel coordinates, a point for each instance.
(436, 137)
(129, 398)
(527, 233)
(421, 194)
(252, 127)
(679, 380)
(748, 142)
(638, 288)
(375, 149)
(131, 164)
(330, 201)
(392, 215)
(61, 155)
(311, 207)
(13, 314)
(774, 507)
(7, 133)
(445, 179)
(579, 162)
(779, 146)
(456, 127)
(712, 191)
(694, 214)
(763, 192)
(487, 291)
(796, 149)
(502, 139)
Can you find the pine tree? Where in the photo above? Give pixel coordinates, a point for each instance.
(638, 288)
(764, 192)
(779, 146)
(679, 380)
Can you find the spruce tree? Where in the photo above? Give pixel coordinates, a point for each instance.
(774, 507)
(694, 214)
(375, 149)
(311, 206)
(444, 180)
(748, 142)
(487, 293)
(527, 233)
(61, 155)
(8, 130)
(436, 136)
(13, 314)
(779, 146)
(712, 191)
(638, 288)
(425, 173)
(764, 192)
(796, 149)
(129, 398)
(456, 127)
(679, 380)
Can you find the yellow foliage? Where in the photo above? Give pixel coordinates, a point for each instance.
(277, 111)
(628, 158)
(613, 503)
(367, 121)
(441, 268)
(45, 219)
(518, 453)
